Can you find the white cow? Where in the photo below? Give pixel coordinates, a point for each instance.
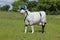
(32, 18)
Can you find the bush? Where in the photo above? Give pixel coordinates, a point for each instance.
(5, 8)
(58, 5)
(51, 7)
(31, 5)
(17, 4)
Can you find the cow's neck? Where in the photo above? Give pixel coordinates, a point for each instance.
(26, 14)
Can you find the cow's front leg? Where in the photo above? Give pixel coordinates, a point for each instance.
(26, 28)
(26, 25)
(32, 27)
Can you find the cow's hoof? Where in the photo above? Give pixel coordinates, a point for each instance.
(32, 32)
(42, 31)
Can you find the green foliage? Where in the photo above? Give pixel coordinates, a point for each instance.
(34, 9)
(50, 6)
(25, 0)
(58, 5)
(31, 5)
(17, 4)
(5, 8)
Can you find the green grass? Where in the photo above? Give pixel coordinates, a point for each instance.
(12, 28)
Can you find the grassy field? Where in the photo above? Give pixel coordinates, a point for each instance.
(12, 28)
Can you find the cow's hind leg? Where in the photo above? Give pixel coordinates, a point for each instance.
(43, 28)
